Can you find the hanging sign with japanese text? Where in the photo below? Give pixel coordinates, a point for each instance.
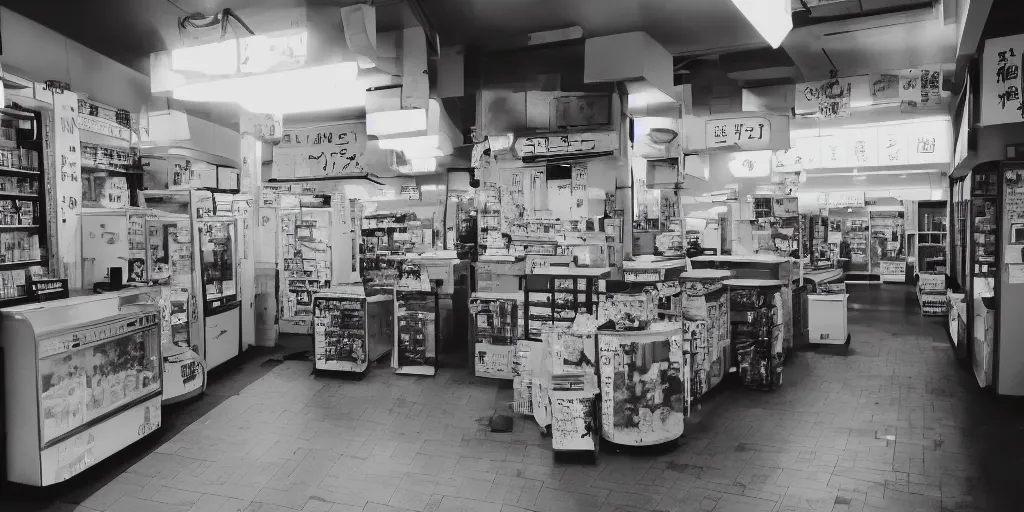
(741, 131)
(1001, 81)
(743, 134)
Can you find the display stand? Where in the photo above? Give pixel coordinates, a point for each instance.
(931, 293)
(416, 327)
(571, 387)
(495, 325)
(643, 385)
(762, 267)
(644, 354)
(756, 325)
(705, 313)
(554, 355)
(350, 330)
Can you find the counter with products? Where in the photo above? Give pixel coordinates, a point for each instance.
(773, 268)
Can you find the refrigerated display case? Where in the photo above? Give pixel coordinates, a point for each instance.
(169, 260)
(80, 386)
(218, 253)
(888, 246)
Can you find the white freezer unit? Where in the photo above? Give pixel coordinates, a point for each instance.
(80, 384)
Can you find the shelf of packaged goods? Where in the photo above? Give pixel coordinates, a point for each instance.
(11, 171)
(119, 172)
(20, 264)
(18, 227)
(17, 114)
(6, 302)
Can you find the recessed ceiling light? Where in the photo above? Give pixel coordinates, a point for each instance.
(859, 178)
(903, 176)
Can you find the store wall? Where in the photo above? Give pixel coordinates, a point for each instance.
(37, 53)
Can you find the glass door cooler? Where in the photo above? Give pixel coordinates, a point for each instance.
(218, 260)
(78, 390)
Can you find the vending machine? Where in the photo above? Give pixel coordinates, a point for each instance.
(213, 240)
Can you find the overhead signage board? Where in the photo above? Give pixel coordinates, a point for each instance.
(844, 199)
(911, 143)
(741, 131)
(743, 134)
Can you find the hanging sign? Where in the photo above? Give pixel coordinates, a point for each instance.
(828, 99)
(743, 131)
(264, 127)
(844, 199)
(785, 207)
(1001, 81)
(743, 134)
(921, 88)
(329, 150)
(410, 192)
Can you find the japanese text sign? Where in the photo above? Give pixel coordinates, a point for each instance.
(1001, 81)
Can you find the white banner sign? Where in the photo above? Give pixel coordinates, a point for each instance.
(844, 199)
(1001, 81)
(744, 133)
(330, 150)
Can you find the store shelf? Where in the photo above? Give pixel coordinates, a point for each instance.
(12, 301)
(18, 195)
(123, 172)
(17, 114)
(11, 171)
(347, 177)
(18, 227)
(20, 264)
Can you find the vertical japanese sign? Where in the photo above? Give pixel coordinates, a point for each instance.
(1001, 81)
(68, 186)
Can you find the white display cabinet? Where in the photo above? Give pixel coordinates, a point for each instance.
(80, 385)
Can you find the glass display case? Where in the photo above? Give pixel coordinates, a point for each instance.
(82, 385)
(78, 389)
(217, 252)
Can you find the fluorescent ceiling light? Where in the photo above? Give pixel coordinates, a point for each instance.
(773, 19)
(396, 121)
(312, 89)
(410, 143)
(424, 146)
(420, 166)
(211, 59)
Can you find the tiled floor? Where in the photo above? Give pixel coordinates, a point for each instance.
(893, 424)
